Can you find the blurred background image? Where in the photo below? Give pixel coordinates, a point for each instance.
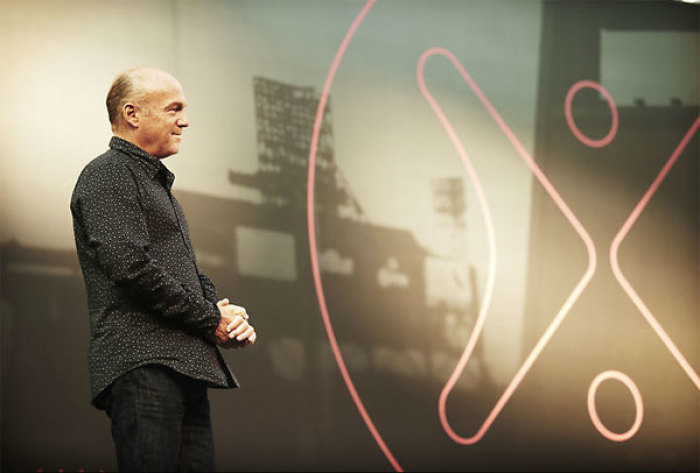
(402, 242)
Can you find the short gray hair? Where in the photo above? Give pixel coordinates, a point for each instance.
(127, 87)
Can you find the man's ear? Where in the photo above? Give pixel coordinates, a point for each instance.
(131, 114)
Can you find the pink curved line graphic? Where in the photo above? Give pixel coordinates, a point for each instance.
(589, 84)
(311, 222)
(622, 234)
(638, 404)
(566, 211)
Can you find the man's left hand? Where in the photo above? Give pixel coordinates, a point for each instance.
(239, 332)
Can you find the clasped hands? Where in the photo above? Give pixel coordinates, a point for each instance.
(233, 331)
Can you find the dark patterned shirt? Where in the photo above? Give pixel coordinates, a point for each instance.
(148, 300)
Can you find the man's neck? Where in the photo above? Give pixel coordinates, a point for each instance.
(127, 137)
(131, 138)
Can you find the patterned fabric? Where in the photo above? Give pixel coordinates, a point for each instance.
(148, 301)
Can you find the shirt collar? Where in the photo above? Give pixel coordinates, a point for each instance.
(153, 165)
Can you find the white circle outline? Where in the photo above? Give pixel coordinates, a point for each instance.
(638, 404)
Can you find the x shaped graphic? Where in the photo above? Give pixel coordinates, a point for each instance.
(583, 234)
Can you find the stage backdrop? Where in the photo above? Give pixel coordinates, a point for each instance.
(466, 232)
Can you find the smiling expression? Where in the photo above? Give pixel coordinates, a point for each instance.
(161, 116)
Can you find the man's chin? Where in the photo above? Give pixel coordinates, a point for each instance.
(165, 154)
(169, 152)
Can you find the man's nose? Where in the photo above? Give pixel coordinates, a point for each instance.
(183, 122)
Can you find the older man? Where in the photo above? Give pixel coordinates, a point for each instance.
(155, 317)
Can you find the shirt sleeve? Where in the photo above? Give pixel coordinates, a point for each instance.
(208, 287)
(115, 227)
(210, 292)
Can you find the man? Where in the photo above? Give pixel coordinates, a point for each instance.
(155, 317)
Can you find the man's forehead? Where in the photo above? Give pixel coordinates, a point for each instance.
(162, 84)
(166, 91)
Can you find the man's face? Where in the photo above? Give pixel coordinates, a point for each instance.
(162, 117)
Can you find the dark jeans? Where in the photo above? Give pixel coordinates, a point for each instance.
(160, 421)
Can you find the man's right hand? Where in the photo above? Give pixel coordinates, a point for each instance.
(233, 331)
